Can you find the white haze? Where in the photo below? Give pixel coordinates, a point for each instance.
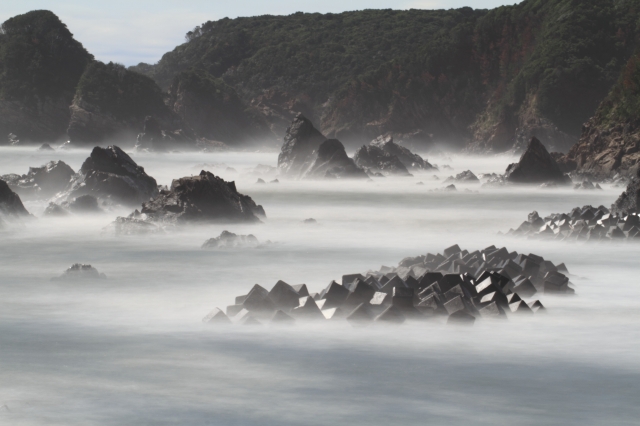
(131, 350)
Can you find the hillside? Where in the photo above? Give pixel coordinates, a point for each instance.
(485, 79)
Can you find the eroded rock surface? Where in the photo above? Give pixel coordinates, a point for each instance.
(408, 158)
(331, 161)
(375, 159)
(10, 204)
(629, 200)
(42, 182)
(300, 143)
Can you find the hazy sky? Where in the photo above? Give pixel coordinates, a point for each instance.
(132, 31)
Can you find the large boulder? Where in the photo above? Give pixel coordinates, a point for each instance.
(300, 143)
(332, 161)
(629, 200)
(41, 182)
(536, 166)
(10, 204)
(375, 159)
(110, 174)
(408, 158)
(202, 198)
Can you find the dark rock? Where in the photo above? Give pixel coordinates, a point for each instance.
(230, 240)
(375, 159)
(79, 272)
(44, 181)
(55, 210)
(536, 166)
(154, 138)
(629, 200)
(466, 176)
(409, 159)
(45, 147)
(331, 161)
(285, 296)
(301, 141)
(109, 173)
(10, 204)
(202, 198)
(450, 188)
(83, 204)
(520, 307)
(260, 181)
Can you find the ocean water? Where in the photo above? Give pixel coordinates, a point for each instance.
(132, 349)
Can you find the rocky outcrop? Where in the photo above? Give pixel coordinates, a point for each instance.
(536, 166)
(332, 162)
(406, 157)
(230, 240)
(301, 141)
(466, 176)
(375, 159)
(10, 204)
(629, 200)
(80, 272)
(202, 198)
(41, 182)
(110, 174)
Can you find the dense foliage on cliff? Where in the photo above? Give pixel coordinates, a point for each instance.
(39, 58)
(438, 70)
(120, 92)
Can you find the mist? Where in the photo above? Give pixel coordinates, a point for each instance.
(132, 349)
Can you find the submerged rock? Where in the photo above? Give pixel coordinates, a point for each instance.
(375, 159)
(202, 198)
(331, 161)
(301, 141)
(78, 272)
(230, 240)
(110, 174)
(536, 166)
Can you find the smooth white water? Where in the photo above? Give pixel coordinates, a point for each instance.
(132, 349)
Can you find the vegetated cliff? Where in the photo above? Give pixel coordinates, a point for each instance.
(40, 66)
(610, 141)
(487, 79)
(213, 109)
(111, 101)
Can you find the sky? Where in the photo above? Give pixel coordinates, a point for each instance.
(133, 31)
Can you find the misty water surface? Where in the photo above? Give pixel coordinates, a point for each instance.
(131, 350)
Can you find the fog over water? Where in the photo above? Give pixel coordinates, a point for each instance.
(132, 350)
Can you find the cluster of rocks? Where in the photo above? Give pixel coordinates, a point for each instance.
(80, 272)
(228, 240)
(586, 185)
(41, 182)
(466, 177)
(308, 154)
(457, 285)
(582, 223)
(385, 157)
(192, 199)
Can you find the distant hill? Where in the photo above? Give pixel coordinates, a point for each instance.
(485, 79)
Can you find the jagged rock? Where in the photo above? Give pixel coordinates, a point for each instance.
(375, 159)
(10, 204)
(629, 200)
(536, 166)
(202, 198)
(42, 182)
(110, 174)
(300, 143)
(79, 271)
(230, 240)
(133, 225)
(331, 161)
(466, 176)
(409, 159)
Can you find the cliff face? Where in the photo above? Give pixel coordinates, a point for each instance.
(486, 79)
(112, 102)
(610, 141)
(40, 66)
